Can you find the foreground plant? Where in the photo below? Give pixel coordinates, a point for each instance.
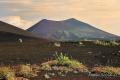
(63, 63)
(24, 71)
(6, 73)
(115, 71)
(65, 60)
(62, 59)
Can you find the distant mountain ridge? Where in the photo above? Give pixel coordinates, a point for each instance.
(69, 30)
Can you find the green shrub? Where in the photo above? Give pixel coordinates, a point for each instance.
(63, 63)
(62, 59)
(77, 65)
(66, 61)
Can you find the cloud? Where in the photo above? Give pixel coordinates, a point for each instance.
(17, 21)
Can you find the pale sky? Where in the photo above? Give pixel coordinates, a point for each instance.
(104, 14)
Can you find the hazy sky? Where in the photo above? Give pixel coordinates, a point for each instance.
(104, 14)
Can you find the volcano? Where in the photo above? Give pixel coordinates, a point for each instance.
(69, 30)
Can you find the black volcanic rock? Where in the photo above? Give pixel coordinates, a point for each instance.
(11, 33)
(69, 30)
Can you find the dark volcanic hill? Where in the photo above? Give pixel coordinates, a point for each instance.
(11, 33)
(69, 30)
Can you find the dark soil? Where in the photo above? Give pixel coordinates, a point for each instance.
(35, 52)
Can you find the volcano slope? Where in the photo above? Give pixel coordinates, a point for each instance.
(12, 33)
(69, 30)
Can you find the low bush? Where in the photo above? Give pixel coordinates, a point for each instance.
(63, 62)
(62, 59)
(6, 73)
(24, 71)
(107, 70)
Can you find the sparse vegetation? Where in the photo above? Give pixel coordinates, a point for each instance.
(13, 72)
(114, 43)
(106, 70)
(24, 71)
(88, 52)
(64, 60)
(6, 73)
(107, 43)
(63, 63)
(61, 66)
